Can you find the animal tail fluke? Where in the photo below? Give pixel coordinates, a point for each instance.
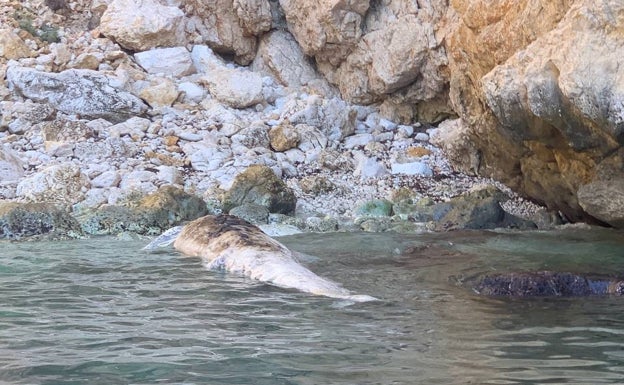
(360, 298)
(164, 239)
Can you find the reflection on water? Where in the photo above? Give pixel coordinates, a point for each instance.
(102, 312)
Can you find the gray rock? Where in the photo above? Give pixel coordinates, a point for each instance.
(78, 92)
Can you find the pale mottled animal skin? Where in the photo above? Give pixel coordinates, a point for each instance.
(233, 244)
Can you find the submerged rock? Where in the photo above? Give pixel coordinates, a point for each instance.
(478, 209)
(546, 284)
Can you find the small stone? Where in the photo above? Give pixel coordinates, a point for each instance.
(283, 137)
(421, 136)
(412, 168)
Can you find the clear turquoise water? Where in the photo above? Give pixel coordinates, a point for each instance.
(100, 311)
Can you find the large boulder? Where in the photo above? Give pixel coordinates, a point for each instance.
(539, 89)
(60, 184)
(145, 24)
(259, 185)
(80, 92)
(603, 196)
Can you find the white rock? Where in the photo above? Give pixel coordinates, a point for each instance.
(140, 180)
(358, 140)
(192, 93)
(59, 149)
(190, 136)
(95, 197)
(133, 126)
(422, 137)
(369, 168)
(209, 158)
(295, 155)
(106, 179)
(387, 125)
(411, 168)
(405, 131)
(237, 87)
(169, 175)
(174, 61)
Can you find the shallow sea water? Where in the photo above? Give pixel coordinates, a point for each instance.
(101, 311)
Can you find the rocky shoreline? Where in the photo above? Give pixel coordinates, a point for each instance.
(98, 140)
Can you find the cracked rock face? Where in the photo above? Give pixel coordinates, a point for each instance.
(541, 93)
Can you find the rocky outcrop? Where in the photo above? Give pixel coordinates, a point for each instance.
(377, 52)
(280, 56)
(539, 91)
(81, 92)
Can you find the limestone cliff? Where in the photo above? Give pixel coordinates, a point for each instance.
(540, 91)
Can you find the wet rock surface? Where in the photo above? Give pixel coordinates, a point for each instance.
(547, 284)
